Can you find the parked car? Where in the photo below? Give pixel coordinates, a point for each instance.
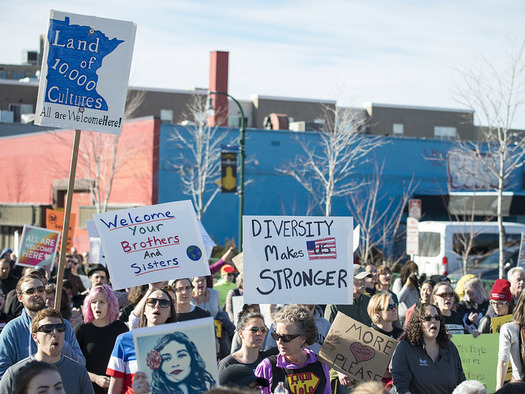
(487, 267)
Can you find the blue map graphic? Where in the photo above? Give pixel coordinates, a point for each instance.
(75, 55)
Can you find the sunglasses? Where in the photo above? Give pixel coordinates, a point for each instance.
(444, 295)
(284, 338)
(49, 328)
(33, 290)
(389, 307)
(255, 329)
(153, 302)
(432, 317)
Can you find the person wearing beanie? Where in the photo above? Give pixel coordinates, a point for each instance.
(501, 304)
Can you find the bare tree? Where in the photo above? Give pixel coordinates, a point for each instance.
(326, 168)
(497, 97)
(201, 168)
(379, 216)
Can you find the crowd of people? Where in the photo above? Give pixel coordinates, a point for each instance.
(86, 345)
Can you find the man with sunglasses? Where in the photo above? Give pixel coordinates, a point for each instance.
(48, 329)
(16, 342)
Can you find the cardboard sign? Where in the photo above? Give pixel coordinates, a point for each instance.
(55, 221)
(297, 259)
(85, 72)
(479, 357)
(497, 322)
(356, 350)
(152, 244)
(38, 247)
(189, 347)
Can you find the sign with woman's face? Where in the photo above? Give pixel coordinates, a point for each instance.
(178, 355)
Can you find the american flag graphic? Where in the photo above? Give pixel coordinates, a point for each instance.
(321, 249)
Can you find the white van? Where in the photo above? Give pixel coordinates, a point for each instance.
(440, 243)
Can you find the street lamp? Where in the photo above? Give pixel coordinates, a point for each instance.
(210, 111)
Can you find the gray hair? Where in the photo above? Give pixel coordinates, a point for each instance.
(514, 271)
(470, 387)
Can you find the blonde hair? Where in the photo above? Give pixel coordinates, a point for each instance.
(378, 302)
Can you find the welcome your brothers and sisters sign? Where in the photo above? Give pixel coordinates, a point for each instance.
(297, 259)
(85, 72)
(152, 244)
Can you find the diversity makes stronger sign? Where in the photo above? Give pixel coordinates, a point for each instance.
(297, 259)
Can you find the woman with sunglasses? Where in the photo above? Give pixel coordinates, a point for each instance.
(295, 329)
(97, 334)
(383, 312)
(158, 309)
(511, 343)
(425, 360)
(501, 304)
(252, 332)
(443, 298)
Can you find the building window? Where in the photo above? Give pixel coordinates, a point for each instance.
(398, 129)
(166, 116)
(445, 133)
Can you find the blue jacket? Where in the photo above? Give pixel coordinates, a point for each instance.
(16, 343)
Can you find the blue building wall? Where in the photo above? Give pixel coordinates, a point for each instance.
(269, 193)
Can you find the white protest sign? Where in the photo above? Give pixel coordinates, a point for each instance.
(152, 244)
(297, 259)
(85, 72)
(521, 256)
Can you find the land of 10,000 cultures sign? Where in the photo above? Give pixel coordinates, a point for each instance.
(85, 71)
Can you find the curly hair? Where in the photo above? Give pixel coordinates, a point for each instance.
(198, 381)
(300, 316)
(379, 302)
(414, 330)
(143, 321)
(107, 292)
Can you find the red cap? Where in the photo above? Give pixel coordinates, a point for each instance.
(228, 269)
(501, 291)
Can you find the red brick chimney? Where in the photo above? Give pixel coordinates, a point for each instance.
(219, 83)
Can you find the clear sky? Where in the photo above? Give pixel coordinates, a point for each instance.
(384, 51)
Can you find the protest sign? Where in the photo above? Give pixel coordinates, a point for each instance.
(152, 244)
(479, 357)
(297, 259)
(178, 357)
(85, 72)
(497, 322)
(356, 350)
(38, 247)
(55, 221)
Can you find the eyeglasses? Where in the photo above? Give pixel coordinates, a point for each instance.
(498, 303)
(255, 329)
(389, 307)
(181, 289)
(49, 328)
(153, 302)
(33, 290)
(231, 274)
(444, 295)
(432, 317)
(285, 338)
